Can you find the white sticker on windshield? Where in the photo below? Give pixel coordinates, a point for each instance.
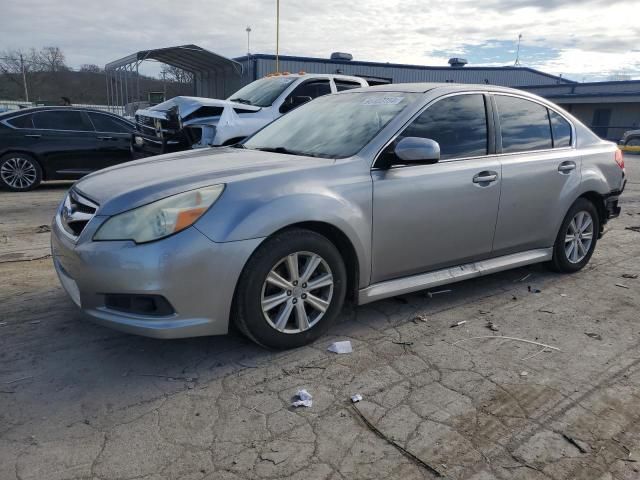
(382, 100)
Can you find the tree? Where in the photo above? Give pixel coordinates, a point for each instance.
(50, 59)
(17, 66)
(175, 74)
(90, 67)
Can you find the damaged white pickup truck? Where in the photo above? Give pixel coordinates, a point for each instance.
(183, 123)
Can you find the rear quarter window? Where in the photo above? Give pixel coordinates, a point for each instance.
(561, 130)
(22, 121)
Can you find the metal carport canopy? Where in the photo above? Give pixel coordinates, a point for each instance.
(187, 57)
(214, 75)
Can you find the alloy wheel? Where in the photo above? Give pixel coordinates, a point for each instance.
(578, 237)
(18, 173)
(297, 292)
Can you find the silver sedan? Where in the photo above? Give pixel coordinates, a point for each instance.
(356, 196)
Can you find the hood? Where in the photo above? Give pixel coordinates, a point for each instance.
(137, 183)
(185, 106)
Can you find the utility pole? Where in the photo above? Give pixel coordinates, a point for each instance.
(277, 36)
(24, 78)
(517, 62)
(248, 29)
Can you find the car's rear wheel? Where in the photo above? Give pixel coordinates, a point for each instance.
(19, 172)
(577, 237)
(291, 290)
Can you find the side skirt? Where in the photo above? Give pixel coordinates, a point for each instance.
(400, 286)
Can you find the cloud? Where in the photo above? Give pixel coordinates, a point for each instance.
(559, 36)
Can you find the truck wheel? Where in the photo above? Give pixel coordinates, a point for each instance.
(291, 290)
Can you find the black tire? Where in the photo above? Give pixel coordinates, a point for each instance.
(247, 306)
(560, 261)
(32, 172)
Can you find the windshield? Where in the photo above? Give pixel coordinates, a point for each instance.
(263, 92)
(333, 126)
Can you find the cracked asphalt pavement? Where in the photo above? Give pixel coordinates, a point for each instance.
(81, 401)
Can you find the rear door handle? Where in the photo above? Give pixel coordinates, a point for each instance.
(485, 177)
(566, 167)
(32, 135)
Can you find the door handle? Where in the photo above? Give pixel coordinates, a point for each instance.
(32, 135)
(566, 167)
(105, 138)
(485, 177)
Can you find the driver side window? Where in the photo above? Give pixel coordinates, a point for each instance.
(305, 92)
(458, 124)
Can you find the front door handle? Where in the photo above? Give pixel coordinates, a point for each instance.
(566, 167)
(105, 138)
(32, 135)
(485, 177)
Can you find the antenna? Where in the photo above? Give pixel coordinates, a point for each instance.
(517, 62)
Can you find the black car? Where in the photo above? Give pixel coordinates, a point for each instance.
(59, 143)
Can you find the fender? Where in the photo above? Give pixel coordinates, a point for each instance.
(343, 204)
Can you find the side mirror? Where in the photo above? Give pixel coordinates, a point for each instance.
(417, 150)
(293, 102)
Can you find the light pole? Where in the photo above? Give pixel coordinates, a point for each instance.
(248, 30)
(277, 36)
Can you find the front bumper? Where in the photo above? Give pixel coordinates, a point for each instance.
(195, 275)
(150, 145)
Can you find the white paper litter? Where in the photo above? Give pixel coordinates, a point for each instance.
(341, 347)
(356, 398)
(305, 399)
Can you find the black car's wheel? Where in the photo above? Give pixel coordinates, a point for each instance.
(19, 172)
(291, 290)
(633, 145)
(577, 237)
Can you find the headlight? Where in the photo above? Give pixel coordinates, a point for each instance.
(160, 218)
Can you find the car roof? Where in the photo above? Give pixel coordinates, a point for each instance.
(317, 75)
(22, 111)
(426, 87)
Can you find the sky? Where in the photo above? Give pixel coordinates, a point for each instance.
(584, 40)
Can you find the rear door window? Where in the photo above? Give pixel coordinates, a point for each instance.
(62, 120)
(561, 130)
(524, 125)
(105, 123)
(458, 124)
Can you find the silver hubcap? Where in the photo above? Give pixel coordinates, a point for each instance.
(579, 236)
(297, 292)
(18, 173)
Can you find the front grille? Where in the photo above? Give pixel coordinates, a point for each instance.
(75, 213)
(148, 124)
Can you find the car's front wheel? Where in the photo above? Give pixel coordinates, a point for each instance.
(291, 290)
(577, 237)
(19, 172)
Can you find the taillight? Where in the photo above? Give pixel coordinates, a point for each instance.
(619, 158)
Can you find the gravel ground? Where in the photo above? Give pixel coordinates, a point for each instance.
(81, 401)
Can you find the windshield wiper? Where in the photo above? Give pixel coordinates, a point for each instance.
(241, 100)
(277, 150)
(289, 152)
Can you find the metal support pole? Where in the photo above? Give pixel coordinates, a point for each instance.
(106, 76)
(24, 78)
